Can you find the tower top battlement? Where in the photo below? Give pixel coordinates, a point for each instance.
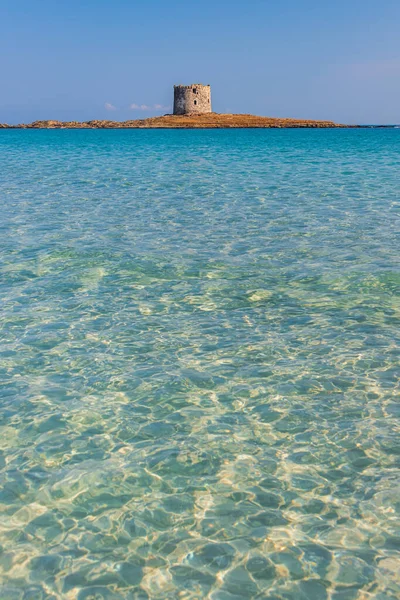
(200, 85)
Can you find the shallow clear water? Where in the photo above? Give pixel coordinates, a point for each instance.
(199, 364)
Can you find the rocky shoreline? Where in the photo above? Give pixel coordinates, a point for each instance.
(203, 121)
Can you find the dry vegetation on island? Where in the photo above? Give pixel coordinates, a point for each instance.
(203, 121)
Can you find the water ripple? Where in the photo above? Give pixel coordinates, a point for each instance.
(199, 365)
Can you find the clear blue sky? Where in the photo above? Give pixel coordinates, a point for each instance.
(83, 59)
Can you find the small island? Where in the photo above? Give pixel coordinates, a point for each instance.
(192, 110)
(187, 121)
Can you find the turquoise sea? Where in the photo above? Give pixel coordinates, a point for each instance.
(199, 364)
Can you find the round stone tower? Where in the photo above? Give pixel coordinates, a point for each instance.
(192, 99)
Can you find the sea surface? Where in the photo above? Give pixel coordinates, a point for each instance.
(199, 366)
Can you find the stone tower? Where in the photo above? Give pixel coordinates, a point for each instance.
(192, 99)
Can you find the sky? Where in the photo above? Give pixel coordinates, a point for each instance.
(119, 59)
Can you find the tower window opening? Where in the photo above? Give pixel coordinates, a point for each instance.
(194, 90)
(195, 102)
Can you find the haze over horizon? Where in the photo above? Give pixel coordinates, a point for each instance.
(299, 59)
